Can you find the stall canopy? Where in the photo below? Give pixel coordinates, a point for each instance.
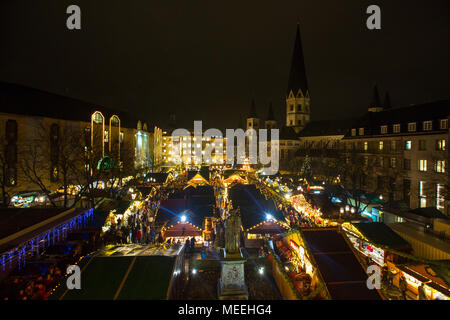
(258, 214)
(380, 234)
(197, 180)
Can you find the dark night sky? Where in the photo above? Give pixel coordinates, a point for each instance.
(207, 59)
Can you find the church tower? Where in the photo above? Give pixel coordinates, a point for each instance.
(270, 123)
(298, 101)
(253, 120)
(375, 105)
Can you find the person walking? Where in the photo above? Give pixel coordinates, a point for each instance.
(422, 293)
(403, 286)
(192, 244)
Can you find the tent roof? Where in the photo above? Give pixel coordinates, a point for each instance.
(381, 234)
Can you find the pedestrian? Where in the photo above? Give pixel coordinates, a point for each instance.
(422, 293)
(138, 235)
(187, 246)
(403, 286)
(192, 244)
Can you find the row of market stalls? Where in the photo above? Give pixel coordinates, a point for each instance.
(187, 213)
(259, 215)
(387, 248)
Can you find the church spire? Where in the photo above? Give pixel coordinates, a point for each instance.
(375, 104)
(253, 110)
(297, 74)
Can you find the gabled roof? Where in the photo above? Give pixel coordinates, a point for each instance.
(297, 74)
(380, 234)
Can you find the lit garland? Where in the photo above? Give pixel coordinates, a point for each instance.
(29, 247)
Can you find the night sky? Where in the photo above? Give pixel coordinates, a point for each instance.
(206, 60)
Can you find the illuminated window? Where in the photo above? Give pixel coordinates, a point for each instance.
(440, 198)
(361, 131)
(444, 124)
(121, 137)
(440, 145)
(427, 125)
(422, 165)
(106, 136)
(97, 117)
(380, 145)
(422, 196)
(353, 132)
(114, 121)
(383, 129)
(366, 145)
(411, 126)
(396, 128)
(440, 166)
(408, 145)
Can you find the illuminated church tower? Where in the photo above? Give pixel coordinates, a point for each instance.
(298, 101)
(253, 120)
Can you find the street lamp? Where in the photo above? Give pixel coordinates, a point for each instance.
(183, 218)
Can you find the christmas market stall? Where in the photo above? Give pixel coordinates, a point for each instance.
(374, 240)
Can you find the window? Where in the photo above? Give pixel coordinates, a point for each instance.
(393, 162)
(366, 161)
(361, 131)
(381, 162)
(407, 164)
(299, 122)
(353, 132)
(440, 199)
(366, 145)
(422, 196)
(290, 122)
(427, 125)
(422, 165)
(97, 117)
(384, 129)
(408, 145)
(444, 124)
(106, 136)
(440, 166)
(292, 107)
(396, 128)
(393, 145)
(121, 137)
(380, 145)
(411, 126)
(440, 145)
(422, 145)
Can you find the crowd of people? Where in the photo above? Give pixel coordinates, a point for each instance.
(138, 227)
